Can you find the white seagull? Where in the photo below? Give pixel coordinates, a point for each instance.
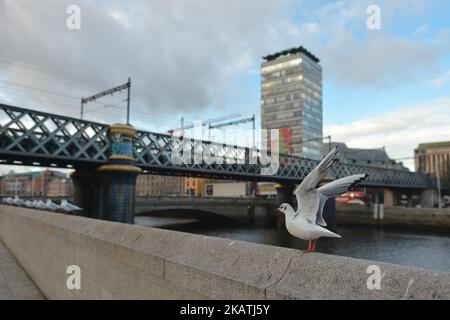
(28, 204)
(40, 205)
(10, 201)
(307, 222)
(18, 201)
(51, 205)
(66, 206)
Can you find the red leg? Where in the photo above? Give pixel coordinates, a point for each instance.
(309, 247)
(314, 245)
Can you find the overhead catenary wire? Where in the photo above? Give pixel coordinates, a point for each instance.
(84, 82)
(69, 104)
(48, 93)
(81, 82)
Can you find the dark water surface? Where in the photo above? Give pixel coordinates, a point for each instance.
(413, 248)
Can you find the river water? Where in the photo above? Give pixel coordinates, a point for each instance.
(412, 248)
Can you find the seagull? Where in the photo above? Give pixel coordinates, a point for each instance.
(66, 206)
(29, 204)
(307, 222)
(51, 205)
(40, 205)
(18, 201)
(10, 201)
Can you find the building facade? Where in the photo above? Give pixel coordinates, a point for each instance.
(30, 184)
(195, 187)
(266, 190)
(60, 187)
(227, 188)
(149, 185)
(291, 100)
(376, 157)
(434, 158)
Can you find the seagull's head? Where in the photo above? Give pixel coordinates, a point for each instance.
(286, 209)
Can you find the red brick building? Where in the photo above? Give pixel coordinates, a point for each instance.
(33, 184)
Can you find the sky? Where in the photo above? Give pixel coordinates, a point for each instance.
(201, 59)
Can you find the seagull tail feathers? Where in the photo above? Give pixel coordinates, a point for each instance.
(330, 234)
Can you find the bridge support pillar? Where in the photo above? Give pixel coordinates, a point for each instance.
(86, 191)
(284, 195)
(118, 177)
(389, 198)
(428, 198)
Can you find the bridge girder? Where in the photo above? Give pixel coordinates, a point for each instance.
(29, 137)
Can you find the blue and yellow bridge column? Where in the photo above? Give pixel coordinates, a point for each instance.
(118, 177)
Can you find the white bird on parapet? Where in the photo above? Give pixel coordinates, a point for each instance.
(28, 204)
(40, 205)
(66, 206)
(18, 201)
(52, 206)
(307, 222)
(10, 201)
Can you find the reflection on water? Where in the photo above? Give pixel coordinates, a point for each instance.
(424, 250)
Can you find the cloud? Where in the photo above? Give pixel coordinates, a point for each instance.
(353, 56)
(381, 61)
(441, 80)
(183, 56)
(180, 54)
(421, 30)
(400, 131)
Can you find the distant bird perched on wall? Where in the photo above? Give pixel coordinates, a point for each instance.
(307, 222)
(51, 205)
(18, 201)
(39, 204)
(68, 207)
(28, 204)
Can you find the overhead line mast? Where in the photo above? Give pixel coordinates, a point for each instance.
(109, 92)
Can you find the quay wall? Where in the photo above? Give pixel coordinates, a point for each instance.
(121, 261)
(431, 218)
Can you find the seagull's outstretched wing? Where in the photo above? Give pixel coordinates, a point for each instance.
(307, 196)
(337, 187)
(333, 189)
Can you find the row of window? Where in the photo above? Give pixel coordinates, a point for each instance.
(308, 109)
(282, 116)
(281, 65)
(279, 82)
(290, 71)
(312, 101)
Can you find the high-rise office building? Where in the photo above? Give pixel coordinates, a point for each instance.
(291, 100)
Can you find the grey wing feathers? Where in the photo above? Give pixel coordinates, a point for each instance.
(341, 186)
(315, 176)
(306, 193)
(319, 220)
